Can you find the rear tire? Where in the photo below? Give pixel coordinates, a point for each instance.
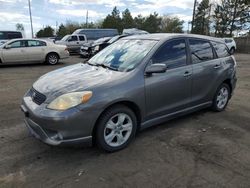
(116, 128)
(221, 98)
(52, 59)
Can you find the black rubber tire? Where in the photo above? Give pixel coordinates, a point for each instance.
(54, 55)
(214, 105)
(232, 50)
(101, 127)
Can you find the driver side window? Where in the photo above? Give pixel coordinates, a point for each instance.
(73, 38)
(172, 53)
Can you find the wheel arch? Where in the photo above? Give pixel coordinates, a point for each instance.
(52, 52)
(131, 105)
(228, 82)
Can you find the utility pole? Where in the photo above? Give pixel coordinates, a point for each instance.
(31, 25)
(87, 17)
(195, 2)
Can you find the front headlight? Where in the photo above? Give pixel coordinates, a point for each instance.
(69, 100)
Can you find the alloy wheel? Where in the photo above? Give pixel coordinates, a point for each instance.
(118, 129)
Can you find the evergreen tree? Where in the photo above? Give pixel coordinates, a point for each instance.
(171, 25)
(113, 21)
(201, 21)
(127, 19)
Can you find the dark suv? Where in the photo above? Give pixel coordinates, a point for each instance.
(137, 82)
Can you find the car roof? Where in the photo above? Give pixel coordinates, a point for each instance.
(165, 36)
(12, 40)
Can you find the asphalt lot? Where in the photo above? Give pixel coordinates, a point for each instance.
(203, 149)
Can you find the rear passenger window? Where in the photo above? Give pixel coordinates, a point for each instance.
(200, 50)
(221, 49)
(34, 43)
(173, 54)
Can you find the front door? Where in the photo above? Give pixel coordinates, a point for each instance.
(17, 52)
(170, 91)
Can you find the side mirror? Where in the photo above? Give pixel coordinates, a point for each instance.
(156, 68)
(69, 40)
(7, 46)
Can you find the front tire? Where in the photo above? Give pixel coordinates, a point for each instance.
(116, 128)
(221, 98)
(232, 50)
(52, 59)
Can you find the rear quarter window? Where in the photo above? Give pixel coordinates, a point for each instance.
(221, 49)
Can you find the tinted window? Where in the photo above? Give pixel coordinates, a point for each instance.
(200, 50)
(81, 38)
(17, 44)
(6, 35)
(14, 35)
(73, 38)
(221, 49)
(32, 43)
(173, 54)
(228, 40)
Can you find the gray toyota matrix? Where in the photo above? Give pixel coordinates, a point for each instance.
(137, 82)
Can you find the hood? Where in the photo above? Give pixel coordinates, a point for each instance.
(73, 78)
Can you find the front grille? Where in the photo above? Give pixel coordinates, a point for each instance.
(36, 96)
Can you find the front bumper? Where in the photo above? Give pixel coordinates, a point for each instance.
(84, 53)
(68, 127)
(54, 139)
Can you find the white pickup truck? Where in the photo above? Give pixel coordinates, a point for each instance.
(73, 42)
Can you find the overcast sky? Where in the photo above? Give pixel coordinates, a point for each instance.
(48, 12)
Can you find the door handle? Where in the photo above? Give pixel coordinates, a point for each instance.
(77, 42)
(217, 66)
(187, 74)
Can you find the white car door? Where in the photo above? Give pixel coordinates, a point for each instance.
(36, 50)
(15, 52)
(73, 42)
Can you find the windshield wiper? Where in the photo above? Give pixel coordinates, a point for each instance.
(106, 66)
(102, 65)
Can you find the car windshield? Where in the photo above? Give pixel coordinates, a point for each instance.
(123, 55)
(65, 37)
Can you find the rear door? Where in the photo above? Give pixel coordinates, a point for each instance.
(36, 50)
(16, 53)
(206, 71)
(170, 91)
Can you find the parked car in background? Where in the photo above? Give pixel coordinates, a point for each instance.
(51, 39)
(231, 44)
(88, 49)
(32, 50)
(73, 42)
(91, 49)
(134, 31)
(8, 35)
(94, 34)
(116, 93)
